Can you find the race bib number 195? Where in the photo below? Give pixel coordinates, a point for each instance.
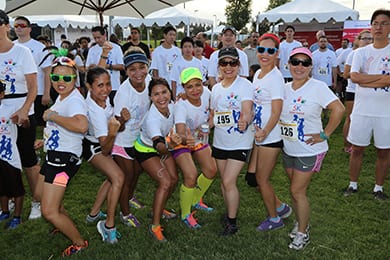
(222, 119)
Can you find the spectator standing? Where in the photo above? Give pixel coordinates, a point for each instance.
(207, 49)
(315, 45)
(135, 40)
(251, 49)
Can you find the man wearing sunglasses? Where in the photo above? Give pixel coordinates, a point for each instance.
(285, 49)
(135, 40)
(22, 27)
(228, 40)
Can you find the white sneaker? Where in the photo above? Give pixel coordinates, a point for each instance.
(300, 241)
(294, 231)
(35, 210)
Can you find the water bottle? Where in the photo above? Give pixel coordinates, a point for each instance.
(204, 129)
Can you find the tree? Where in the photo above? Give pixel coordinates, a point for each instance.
(238, 13)
(275, 3)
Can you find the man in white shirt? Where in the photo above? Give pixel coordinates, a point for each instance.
(251, 49)
(285, 49)
(342, 54)
(228, 40)
(113, 61)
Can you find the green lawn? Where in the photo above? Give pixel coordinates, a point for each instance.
(342, 227)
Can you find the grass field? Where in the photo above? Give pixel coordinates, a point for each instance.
(354, 227)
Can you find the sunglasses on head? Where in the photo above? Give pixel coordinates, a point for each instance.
(233, 63)
(65, 78)
(270, 51)
(296, 62)
(21, 25)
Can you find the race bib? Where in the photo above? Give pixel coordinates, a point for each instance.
(322, 71)
(223, 119)
(289, 131)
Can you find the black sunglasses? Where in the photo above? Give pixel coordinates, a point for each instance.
(65, 78)
(270, 51)
(296, 62)
(233, 63)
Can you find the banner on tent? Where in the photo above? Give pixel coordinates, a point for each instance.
(353, 28)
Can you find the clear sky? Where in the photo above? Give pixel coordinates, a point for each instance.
(209, 8)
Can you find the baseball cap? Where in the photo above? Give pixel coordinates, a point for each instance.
(229, 28)
(190, 73)
(301, 50)
(135, 57)
(3, 17)
(229, 52)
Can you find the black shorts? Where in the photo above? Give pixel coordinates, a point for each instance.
(349, 96)
(60, 167)
(90, 149)
(239, 155)
(141, 157)
(39, 109)
(11, 184)
(25, 143)
(278, 144)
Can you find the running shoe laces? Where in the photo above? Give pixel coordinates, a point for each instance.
(73, 249)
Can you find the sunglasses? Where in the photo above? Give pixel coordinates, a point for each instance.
(233, 63)
(270, 51)
(296, 62)
(64, 78)
(21, 25)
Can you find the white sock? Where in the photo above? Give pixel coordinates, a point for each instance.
(378, 188)
(353, 184)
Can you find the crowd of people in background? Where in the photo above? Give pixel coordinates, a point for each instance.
(126, 109)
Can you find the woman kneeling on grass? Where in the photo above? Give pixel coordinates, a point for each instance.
(66, 124)
(231, 114)
(305, 140)
(97, 146)
(152, 149)
(190, 115)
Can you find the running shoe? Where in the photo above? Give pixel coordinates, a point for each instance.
(190, 221)
(129, 220)
(268, 225)
(349, 191)
(74, 249)
(35, 210)
(300, 241)
(202, 206)
(108, 235)
(285, 212)
(13, 223)
(379, 195)
(4, 216)
(294, 231)
(100, 216)
(230, 229)
(134, 203)
(157, 233)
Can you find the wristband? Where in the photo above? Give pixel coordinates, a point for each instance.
(160, 139)
(103, 57)
(323, 136)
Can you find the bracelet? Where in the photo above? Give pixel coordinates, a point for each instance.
(50, 114)
(103, 57)
(110, 67)
(323, 136)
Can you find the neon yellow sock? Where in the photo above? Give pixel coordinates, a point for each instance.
(186, 197)
(203, 184)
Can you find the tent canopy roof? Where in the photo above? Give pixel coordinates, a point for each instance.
(307, 10)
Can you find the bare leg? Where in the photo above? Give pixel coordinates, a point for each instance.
(355, 162)
(382, 166)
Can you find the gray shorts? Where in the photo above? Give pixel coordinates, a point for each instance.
(303, 164)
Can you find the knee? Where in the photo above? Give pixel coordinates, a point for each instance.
(190, 179)
(48, 213)
(297, 194)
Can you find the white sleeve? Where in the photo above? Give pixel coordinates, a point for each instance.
(180, 112)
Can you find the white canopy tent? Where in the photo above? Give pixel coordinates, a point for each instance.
(171, 15)
(53, 21)
(305, 11)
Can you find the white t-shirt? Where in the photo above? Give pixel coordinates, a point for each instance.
(8, 136)
(301, 115)
(14, 65)
(156, 124)
(372, 101)
(138, 104)
(213, 64)
(323, 62)
(193, 116)
(342, 58)
(226, 103)
(36, 49)
(270, 87)
(351, 87)
(115, 57)
(98, 118)
(163, 60)
(58, 138)
(285, 49)
(178, 66)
